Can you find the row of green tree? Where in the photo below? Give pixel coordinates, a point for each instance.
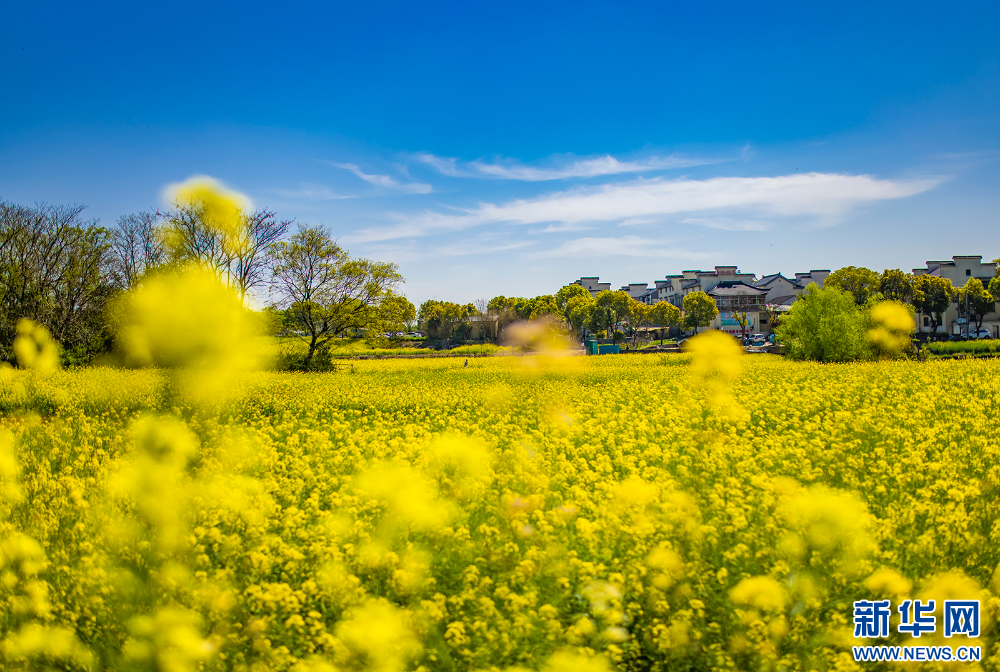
(610, 314)
(66, 272)
(860, 314)
(928, 294)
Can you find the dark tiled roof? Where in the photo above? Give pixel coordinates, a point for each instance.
(735, 289)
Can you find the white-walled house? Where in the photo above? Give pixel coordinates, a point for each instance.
(673, 288)
(959, 270)
(783, 291)
(593, 285)
(740, 297)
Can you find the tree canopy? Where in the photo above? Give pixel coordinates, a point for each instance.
(975, 300)
(931, 296)
(824, 325)
(325, 292)
(858, 281)
(699, 310)
(895, 285)
(55, 269)
(664, 315)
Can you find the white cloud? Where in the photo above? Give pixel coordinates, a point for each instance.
(385, 181)
(626, 246)
(466, 248)
(588, 167)
(728, 224)
(444, 165)
(822, 198)
(312, 192)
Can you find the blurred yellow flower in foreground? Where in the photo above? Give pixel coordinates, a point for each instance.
(892, 325)
(35, 348)
(188, 318)
(221, 208)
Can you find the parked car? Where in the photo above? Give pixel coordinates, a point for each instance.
(981, 334)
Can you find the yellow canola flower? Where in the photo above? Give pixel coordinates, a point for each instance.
(35, 348)
(761, 592)
(170, 640)
(552, 351)
(35, 644)
(378, 636)
(461, 464)
(888, 581)
(411, 499)
(835, 523)
(716, 363)
(636, 493)
(10, 489)
(569, 661)
(156, 480)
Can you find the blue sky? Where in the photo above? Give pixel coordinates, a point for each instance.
(509, 148)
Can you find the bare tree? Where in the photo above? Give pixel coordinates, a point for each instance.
(249, 264)
(136, 247)
(241, 256)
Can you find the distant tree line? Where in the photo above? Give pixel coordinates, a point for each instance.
(65, 272)
(837, 323)
(608, 314)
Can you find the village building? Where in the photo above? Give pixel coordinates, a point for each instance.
(782, 291)
(736, 300)
(673, 288)
(959, 270)
(593, 285)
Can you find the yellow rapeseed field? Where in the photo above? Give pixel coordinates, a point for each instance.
(630, 512)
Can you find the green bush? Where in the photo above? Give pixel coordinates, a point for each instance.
(985, 347)
(825, 325)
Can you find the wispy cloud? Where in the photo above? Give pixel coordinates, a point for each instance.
(822, 198)
(385, 180)
(312, 192)
(626, 246)
(728, 224)
(560, 169)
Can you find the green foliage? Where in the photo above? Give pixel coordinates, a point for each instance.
(326, 293)
(444, 319)
(974, 298)
(610, 311)
(53, 270)
(860, 282)
(994, 288)
(932, 296)
(825, 325)
(565, 295)
(699, 310)
(947, 348)
(895, 285)
(540, 306)
(664, 315)
(391, 317)
(578, 311)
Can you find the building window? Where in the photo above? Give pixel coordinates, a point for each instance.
(968, 271)
(927, 321)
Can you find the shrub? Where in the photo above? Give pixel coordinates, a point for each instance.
(825, 325)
